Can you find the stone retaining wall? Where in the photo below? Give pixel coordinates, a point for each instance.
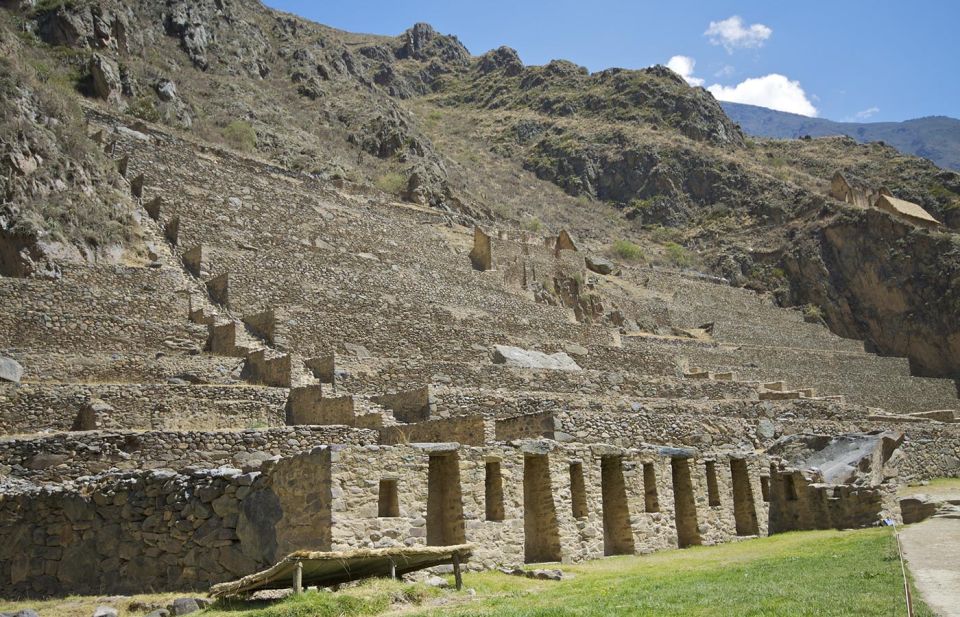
(69, 455)
(32, 408)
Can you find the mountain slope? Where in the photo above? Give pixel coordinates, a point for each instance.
(936, 137)
(612, 157)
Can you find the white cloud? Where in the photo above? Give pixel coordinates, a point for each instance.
(774, 91)
(866, 113)
(732, 34)
(683, 66)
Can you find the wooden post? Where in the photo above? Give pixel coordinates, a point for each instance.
(457, 576)
(298, 578)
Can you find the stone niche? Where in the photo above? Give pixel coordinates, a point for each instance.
(197, 261)
(263, 325)
(408, 406)
(219, 289)
(323, 367)
(307, 405)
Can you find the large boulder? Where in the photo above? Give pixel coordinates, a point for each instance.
(105, 77)
(600, 265)
(10, 370)
(849, 458)
(523, 358)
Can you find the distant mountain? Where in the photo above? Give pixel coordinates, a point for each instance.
(936, 137)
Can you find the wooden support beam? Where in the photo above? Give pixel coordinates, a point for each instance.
(298, 578)
(457, 576)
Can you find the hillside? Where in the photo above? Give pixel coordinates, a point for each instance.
(273, 287)
(936, 138)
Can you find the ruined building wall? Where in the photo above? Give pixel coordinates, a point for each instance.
(120, 533)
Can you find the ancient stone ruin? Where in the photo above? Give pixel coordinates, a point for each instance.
(419, 383)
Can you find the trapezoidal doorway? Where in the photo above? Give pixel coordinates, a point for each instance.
(444, 501)
(744, 508)
(617, 531)
(541, 532)
(685, 505)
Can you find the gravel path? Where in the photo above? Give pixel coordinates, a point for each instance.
(932, 551)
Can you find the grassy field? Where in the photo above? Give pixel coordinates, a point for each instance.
(819, 573)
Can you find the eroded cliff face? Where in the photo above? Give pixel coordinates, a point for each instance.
(885, 281)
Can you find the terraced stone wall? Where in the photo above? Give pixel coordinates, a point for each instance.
(32, 408)
(64, 456)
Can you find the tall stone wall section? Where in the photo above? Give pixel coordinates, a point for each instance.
(121, 533)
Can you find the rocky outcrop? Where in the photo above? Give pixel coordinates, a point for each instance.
(105, 76)
(94, 26)
(422, 42)
(883, 280)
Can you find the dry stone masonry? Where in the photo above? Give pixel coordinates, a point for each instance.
(299, 367)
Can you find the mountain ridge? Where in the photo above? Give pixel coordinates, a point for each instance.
(936, 138)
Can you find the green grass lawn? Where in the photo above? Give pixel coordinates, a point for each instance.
(818, 573)
(809, 573)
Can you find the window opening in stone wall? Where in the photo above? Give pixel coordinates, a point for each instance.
(765, 487)
(713, 491)
(578, 491)
(389, 502)
(617, 531)
(744, 508)
(493, 485)
(444, 501)
(685, 505)
(651, 501)
(541, 532)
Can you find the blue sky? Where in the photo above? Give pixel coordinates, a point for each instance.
(842, 60)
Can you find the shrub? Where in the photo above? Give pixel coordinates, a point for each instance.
(391, 182)
(532, 224)
(677, 255)
(240, 135)
(144, 109)
(624, 249)
(812, 313)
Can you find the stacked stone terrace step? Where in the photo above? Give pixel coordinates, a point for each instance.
(497, 405)
(378, 375)
(97, 308)
(739, 315)
(126, 366)
(295, 208)
(31, 408)
(865, 379)
(366, 294)
(64, 456)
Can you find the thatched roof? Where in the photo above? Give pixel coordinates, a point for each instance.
(334, 567)
(908, 208)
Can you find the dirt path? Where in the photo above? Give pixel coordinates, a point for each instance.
(932, 551)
